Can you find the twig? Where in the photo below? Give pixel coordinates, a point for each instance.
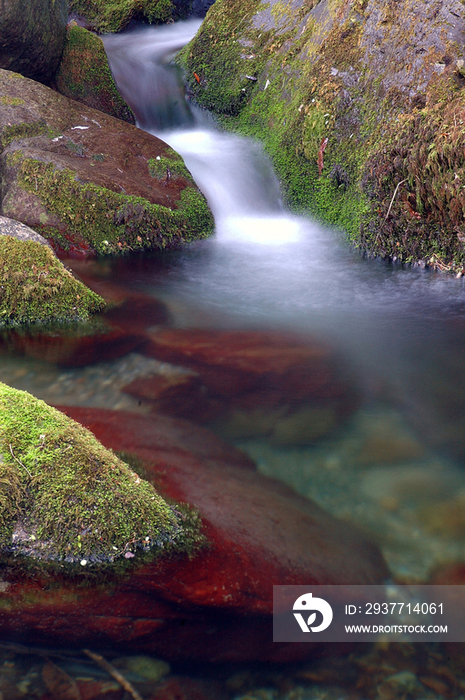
(23, 466)
(393, 198)
(106, 666)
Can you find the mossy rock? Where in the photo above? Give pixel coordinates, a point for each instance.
(87, 181)
(65, 498)
(35, 287)
(84, 75)
(113, 16)
(311, 79)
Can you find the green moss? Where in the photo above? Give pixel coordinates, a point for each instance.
(115, 15)
(36, 288)
(13, 101)
(168, 166)
(85, 75)
(112, 222)
(66, 498)
(314, 83)
(20, 131)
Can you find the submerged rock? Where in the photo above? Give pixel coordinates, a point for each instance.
(32, 36)
(67, 499)
(35, 287)
(285, 386)
(311, 78)
(216, 604)
(84, 75)
(90, 182)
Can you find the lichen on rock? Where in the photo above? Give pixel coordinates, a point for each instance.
(65, 498)
(35, 287)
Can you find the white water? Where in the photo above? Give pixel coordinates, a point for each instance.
(267, 268)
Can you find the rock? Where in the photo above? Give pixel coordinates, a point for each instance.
(284, 386)
(322, 73)
(68, 500)
(10, 227)
(215, 606)
(115, 333)
(32, 36)
(84, 75)
(113, 18)
(35, 285)
(85, 179)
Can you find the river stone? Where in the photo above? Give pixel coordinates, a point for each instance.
(215, 606)
(84, 74)
(89, 182)
(36, 288)
(289, 387)
(10, 227)
(32, 36)
(310, 78)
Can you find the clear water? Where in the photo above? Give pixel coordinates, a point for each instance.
(401, 330)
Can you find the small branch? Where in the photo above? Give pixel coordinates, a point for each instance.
(393, 198)
(17, 460)
(106, 666)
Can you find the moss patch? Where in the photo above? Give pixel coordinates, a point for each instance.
(111, 222)
(323, 77)
(115, 15)
(66, 498)
(36, 288)
(85, 75)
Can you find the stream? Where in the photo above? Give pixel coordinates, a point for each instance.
(395, 467)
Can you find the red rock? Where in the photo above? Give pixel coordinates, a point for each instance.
(286, 386)
(217, 605)
(62, 348)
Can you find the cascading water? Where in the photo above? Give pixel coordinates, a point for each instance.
(266, 268)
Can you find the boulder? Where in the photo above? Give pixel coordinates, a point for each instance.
(311, 78)
(88, 181)
(119, 330)
(35, 285)
(215, 605)
(32, 36)
(68, 501)
(84, 74)
(285, 386)
(105, 18)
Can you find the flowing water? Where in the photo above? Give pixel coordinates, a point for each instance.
(401, 328)
(396, 466)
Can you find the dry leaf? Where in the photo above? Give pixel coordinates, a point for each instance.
(59, 684)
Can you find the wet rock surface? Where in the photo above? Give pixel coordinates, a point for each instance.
(217, 605)
(89, 182)
(287, 387)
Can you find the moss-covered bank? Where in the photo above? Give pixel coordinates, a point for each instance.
(36, 288)
(65, 498)
(360, 105)
(84, 74)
